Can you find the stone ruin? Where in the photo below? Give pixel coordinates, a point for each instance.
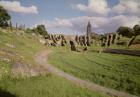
(56, 40)
(110, 39)
(81, 42)
(76, 44)
(72, 45)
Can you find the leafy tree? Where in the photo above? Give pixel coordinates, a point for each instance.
(125, 31)
(4, 17)
(136, 29)
(41, 30)
(28, 30)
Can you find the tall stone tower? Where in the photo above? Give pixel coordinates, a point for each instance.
(88, 33)
(88, 29)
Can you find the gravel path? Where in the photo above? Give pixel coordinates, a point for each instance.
(41, 58)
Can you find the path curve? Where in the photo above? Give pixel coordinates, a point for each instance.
(41, 58)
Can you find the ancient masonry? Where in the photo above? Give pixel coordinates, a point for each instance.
(88, 33)
(85, 40)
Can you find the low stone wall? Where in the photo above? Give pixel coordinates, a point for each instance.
(121, 51)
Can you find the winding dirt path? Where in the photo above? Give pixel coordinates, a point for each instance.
(41, 58)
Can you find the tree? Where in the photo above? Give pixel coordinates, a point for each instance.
(136, 29)
(28, 30)
(125, 31)
(41, 30)
(4, 17)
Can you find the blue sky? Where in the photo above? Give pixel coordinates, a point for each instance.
(71, 16)
(50, 9)
(47, 10)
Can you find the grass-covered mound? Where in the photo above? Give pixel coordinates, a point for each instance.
(117, 71)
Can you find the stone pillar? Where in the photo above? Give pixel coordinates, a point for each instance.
(88, 41)
(53, 39)
(116, 38)
(103, 40)
(80, 41)
(77, 39)
(111, 39)
(107, 41)
(73, 47)
(100, 47)
(84, 40)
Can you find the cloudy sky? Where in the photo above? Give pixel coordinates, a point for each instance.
(72, 16)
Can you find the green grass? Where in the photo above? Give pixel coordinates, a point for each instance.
(16, 47)
(116, 71)
(4, 69)
(24, 45)
(45, 86)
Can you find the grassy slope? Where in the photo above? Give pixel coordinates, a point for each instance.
(46, 86)
(121, 72)
(23, 47)
(4, 69)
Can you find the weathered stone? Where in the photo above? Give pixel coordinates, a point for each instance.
(62, 43)
(85, 49)
(111, 39)
(103, 42)
(73, 47)
(77, 39)
(80, 41)
(53, 39)
(88, 41)
(116, 38)
(84, 40)
(107, 41)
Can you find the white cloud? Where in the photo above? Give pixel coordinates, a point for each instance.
(99, 24)
(15, 6)
(98, 7)
(59, 23)
(130, 7)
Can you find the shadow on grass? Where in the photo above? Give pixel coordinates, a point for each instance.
(4, 93)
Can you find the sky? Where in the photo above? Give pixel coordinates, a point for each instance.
(72, 16)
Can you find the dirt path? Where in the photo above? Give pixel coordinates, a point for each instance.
(41, 58)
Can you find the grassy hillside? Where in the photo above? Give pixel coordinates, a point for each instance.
(46, 86)
(121, 72)
(16, 55)
(20, 44)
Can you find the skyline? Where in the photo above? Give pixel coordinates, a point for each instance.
(71, 17)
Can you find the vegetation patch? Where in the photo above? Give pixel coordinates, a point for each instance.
(4, 69)
(111, 70)
(46, 86)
